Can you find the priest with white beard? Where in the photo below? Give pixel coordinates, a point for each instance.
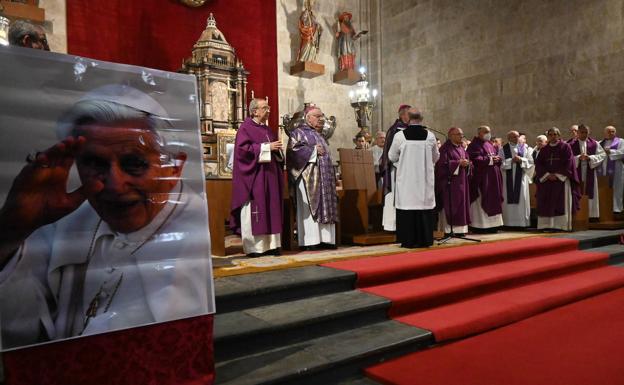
(612, 166)
(518, 169)
(588, 155)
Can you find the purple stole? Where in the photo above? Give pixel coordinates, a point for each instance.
(610, 163)
(513, 184)
(592, 145)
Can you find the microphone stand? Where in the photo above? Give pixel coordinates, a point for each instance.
(449, 177)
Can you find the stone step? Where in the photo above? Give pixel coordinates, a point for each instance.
(324, 359)
(358, 381)
(252, 290)
(254, 329)
(594, 238)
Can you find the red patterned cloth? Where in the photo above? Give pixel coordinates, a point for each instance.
(171, 353)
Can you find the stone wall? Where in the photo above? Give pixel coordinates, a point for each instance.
(516, 64)
(55, 24)
(330, 97)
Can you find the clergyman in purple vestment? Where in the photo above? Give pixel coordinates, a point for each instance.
(313, 182)
(558, 190)
(454, 162)
(388, 171)
(486, 184)
(257, 183)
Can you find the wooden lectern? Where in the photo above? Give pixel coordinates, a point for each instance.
(605, 197)
(358, 196)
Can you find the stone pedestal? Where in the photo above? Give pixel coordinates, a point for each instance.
(307, 69)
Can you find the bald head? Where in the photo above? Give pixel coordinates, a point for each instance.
(484, 133)
(574, 131)
(455, 134)
(414, 115)
(609, 132)
(512, 136)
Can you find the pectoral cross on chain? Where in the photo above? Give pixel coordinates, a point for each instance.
(551, 158)
(256, 213)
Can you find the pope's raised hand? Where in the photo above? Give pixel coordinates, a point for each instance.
(39, 194)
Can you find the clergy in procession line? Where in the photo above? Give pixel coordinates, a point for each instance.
(518, 168)
(540, 142)
(613, 166)
(414, 152)
(486, 185)
(257, 183)
(573, 133)
(313, 179)
(588, 155)
(558, 188)
(455, 209)
(377, 150)
(388, 171)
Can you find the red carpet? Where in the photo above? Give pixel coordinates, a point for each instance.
(578, 344)
(461, 291)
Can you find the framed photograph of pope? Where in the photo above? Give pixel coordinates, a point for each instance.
(103, 219)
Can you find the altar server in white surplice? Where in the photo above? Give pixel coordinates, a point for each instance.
(518, 169)
(414, 151)
(588, 155)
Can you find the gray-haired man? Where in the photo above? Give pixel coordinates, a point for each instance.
(106, 256)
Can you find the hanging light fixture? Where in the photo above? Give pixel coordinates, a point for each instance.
(363, 100)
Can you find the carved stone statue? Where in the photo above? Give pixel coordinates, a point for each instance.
(346, 36)
(310, 33)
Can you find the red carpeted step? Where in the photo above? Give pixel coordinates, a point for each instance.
(490, 311)
(436, 290)
(391, 268)
(578, 344)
